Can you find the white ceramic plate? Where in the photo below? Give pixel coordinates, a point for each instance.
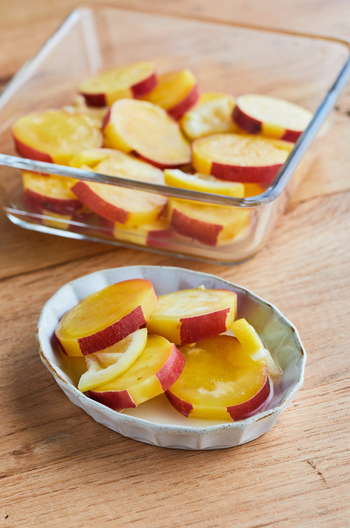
(156, 422)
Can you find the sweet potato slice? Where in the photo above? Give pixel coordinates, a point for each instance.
(55, 220)
(187, 316)
(176, 92)
(202, 183)
(115, 163)
(118, 204)
(144, 128)
(211, 115)
(131, 81)
(156, 234)
(55, 136)
(96, 113)
(213, 225)
(271, 116)
(242, 158)
(52, 193)
(67, 222)
(154, 372)
(131, 208)
(106, 317)
(220, 381)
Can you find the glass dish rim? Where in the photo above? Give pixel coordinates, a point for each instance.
(285, 172)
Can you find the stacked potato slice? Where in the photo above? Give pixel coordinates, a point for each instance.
(138, 346)
(132, 123)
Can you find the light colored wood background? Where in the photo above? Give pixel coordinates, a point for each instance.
(60, 468)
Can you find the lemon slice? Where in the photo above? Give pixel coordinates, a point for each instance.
(103, 367)
(252, 343)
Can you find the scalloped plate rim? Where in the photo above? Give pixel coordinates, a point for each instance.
(196, 431)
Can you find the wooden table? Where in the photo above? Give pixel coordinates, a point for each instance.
(60, 468)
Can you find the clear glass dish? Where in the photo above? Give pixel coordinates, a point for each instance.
(235, 59)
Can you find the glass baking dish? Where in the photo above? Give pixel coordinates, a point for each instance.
(235, 59)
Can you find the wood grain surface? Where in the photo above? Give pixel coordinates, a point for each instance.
(59, 468)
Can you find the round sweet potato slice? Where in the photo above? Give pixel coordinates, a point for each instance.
(55, 136)
(155, 371)
(52, 193)
(118, 204)
(212, 225)
(130, 81)
(176, 92)
(271, 116)
(147, 130)
(220, 381)
(241, 158)
(187, 316)
(211, 115)
(202, 183)
(106, 317)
